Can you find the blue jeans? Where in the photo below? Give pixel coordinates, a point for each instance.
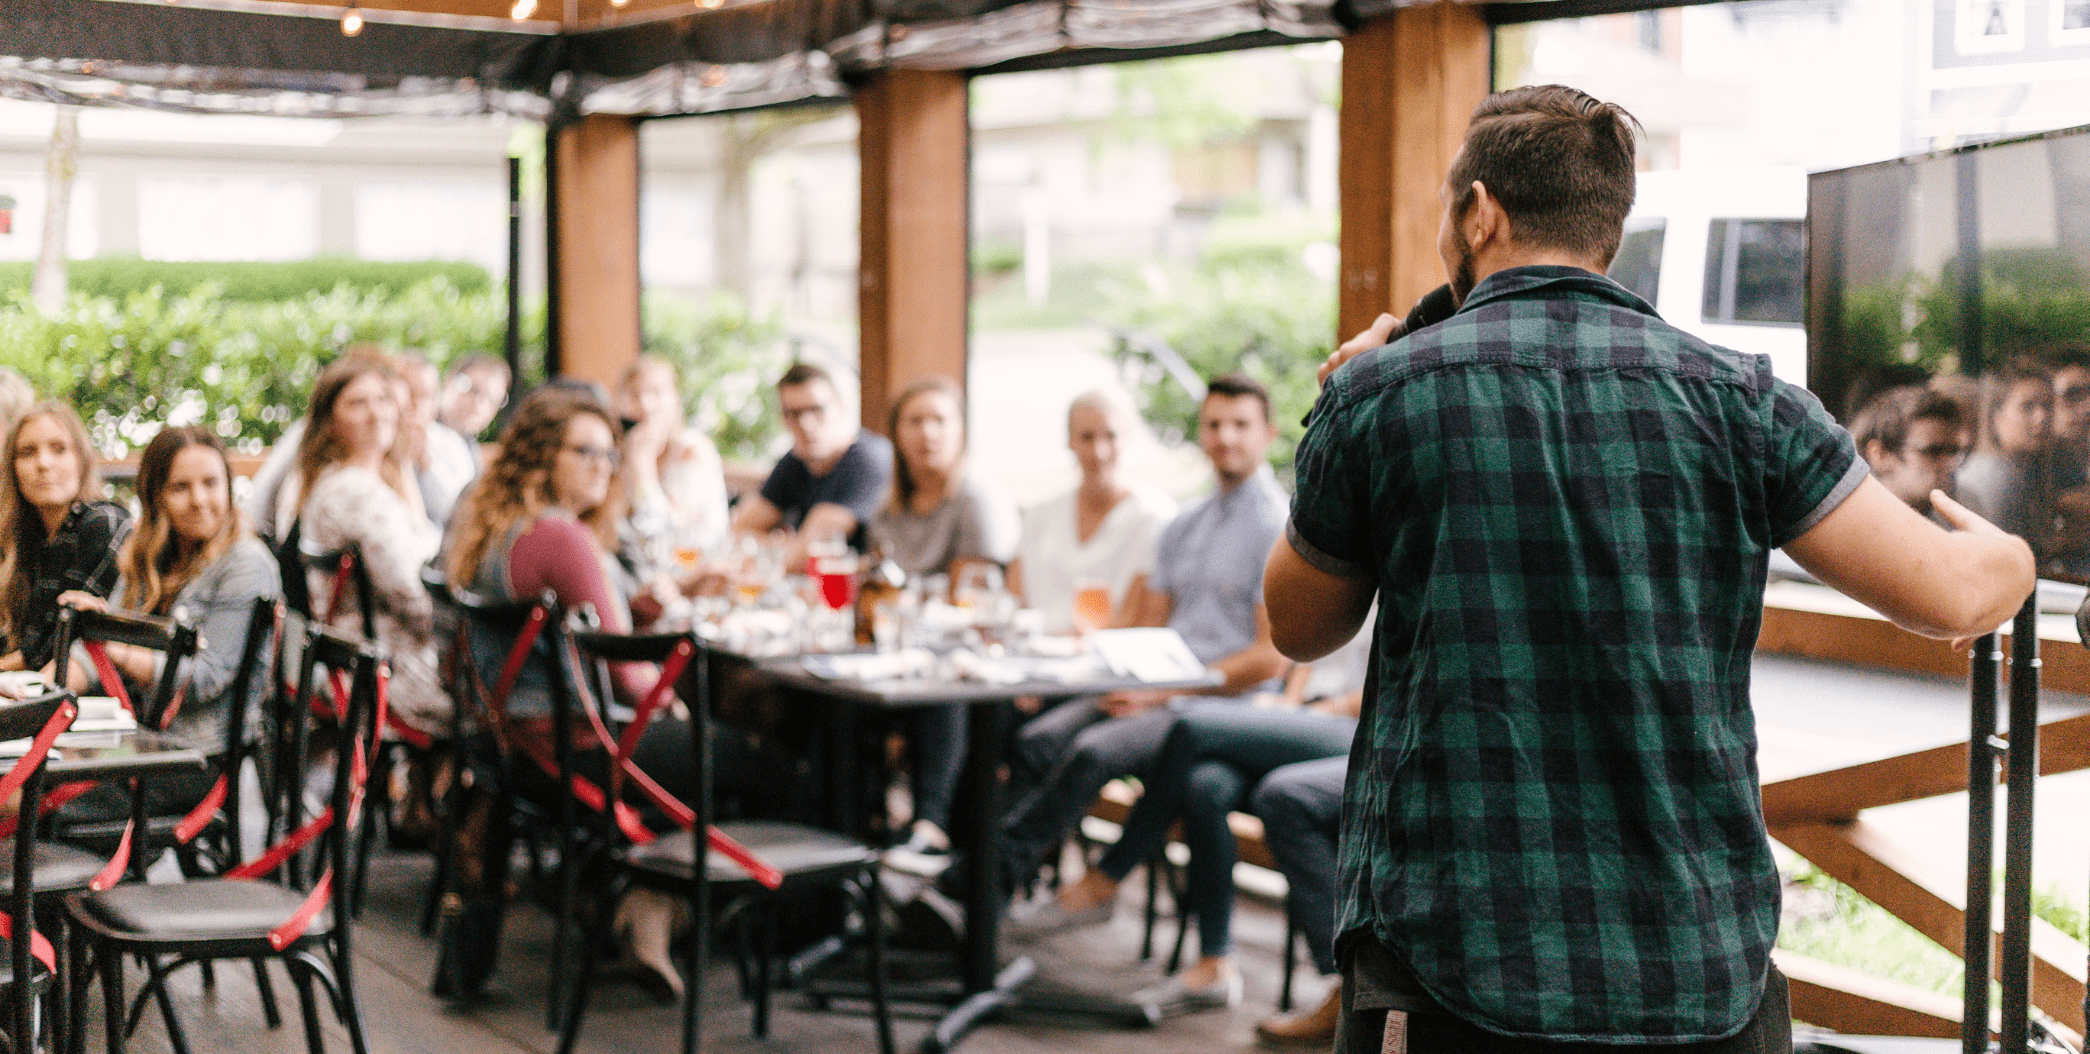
(1301, 808)
(1209, 761)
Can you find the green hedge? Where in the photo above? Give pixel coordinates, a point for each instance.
(134, 364)
(246, 280)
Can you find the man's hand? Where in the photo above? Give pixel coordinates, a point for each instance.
(1383, 331)
(1136, 701)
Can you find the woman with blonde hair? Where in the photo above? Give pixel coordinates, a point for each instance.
(56, 535)
(193, 556)
(354, 487)
(673, 475)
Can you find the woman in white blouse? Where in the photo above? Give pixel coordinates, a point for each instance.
(1100, 534)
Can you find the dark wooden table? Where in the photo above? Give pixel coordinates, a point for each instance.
(987, 987)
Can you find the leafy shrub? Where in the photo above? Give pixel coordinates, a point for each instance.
(728, 359)
(117, 277)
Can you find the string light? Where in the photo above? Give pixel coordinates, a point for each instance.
(352, 20)
(522, 9)
(619, 3)
(709, 4)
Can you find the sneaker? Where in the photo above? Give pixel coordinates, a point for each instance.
(1043, 918)
(1170, 998)
(919, 856)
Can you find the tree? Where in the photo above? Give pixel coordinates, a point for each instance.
(742, 141)
(63, 162)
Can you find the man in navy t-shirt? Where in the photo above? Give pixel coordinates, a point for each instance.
(834, 477)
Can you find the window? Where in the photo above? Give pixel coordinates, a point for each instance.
(1755, 272)
(1638, 265)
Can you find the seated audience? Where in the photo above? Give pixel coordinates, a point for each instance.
(544, 517)
(191, 553)
(1101, 533)
(2005, 481)
(352, 484)
(939, 520)
(1301, 808)
(1207, 576)
(1912, 437)
(676, 482)
(444, 461)
(57, 533)
(834, 478)
(473, 396)
(1212, 759)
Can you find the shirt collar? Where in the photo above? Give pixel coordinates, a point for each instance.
(1553, 280)
(1263, 477)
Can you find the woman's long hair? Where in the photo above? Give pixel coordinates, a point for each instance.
(154, 571)
(21, 526)
(320, 449)
(904, 484)
(518, 484)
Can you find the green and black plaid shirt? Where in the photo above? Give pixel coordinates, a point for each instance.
(1567, 504)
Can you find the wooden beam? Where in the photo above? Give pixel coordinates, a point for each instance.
(1858, 1004)
(1838, 796)
(912, 296)
(1879, 644)
(1410, 81)
(1914, 890)
(597, 170)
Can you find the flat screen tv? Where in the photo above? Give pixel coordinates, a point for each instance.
(1948, 327)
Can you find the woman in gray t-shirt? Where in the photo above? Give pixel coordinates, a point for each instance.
(938, 520)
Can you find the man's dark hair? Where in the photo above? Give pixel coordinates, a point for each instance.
(1886, 420)
(1559, 162)
(803, 372)
(1237, 385)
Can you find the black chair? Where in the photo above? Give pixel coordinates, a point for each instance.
(29, 964)
(269, 908)
(484, 797)
(801, 859)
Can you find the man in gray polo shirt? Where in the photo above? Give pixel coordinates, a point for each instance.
(1207, 587)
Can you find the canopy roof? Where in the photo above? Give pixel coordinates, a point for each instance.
(642, 57)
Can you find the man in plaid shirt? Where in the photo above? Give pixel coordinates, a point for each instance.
(1552, 833)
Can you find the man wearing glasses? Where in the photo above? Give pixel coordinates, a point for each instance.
(835, 475)
(1913, 439)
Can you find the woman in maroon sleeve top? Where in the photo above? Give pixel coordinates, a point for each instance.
(544, 517)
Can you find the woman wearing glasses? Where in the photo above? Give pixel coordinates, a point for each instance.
(544, 517)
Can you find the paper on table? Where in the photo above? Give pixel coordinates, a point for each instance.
(1152, 654)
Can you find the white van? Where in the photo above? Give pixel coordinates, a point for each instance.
(1723, 256)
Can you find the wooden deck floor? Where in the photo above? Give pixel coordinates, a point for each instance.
(394, 963)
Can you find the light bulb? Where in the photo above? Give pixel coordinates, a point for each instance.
(522, 9)
(619, 3)
(352, 21)
(709, 3)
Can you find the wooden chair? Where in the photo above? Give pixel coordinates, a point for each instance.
(28, 964)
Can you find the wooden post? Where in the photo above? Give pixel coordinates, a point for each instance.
(1409, 85)
(596, 279)
(913, 288)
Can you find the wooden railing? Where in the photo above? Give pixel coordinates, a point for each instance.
(1821, 817)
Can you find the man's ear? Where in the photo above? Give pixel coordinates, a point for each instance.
(1874, 451)
(1486, 222)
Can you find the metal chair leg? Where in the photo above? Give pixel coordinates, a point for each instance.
(874, 927)
(112, 996)
(765, 950)
(266, 989)
(1290, 958)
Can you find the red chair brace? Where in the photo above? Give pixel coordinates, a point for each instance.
(338, 681)
(622, 767)
(300, 921)
(18, 774)
(199, 817)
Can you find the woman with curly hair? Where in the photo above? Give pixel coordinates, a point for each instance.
(353, 485)
(544, 517)
(56, 535)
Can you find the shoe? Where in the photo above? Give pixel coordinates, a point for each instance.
(1308, 1029)
(920, 856)
(1170, 997)
(1043, 918)
(645, 924)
